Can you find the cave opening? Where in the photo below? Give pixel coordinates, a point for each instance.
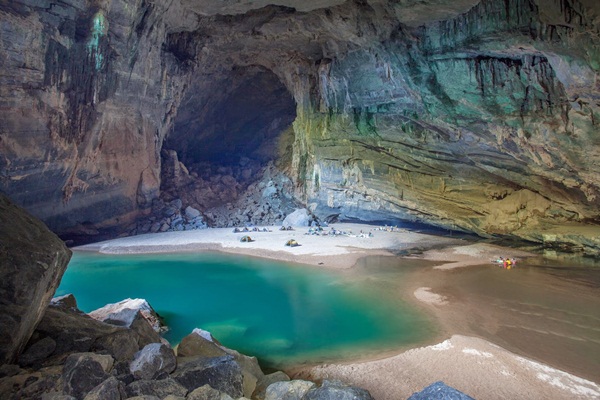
(229, 128)
(223, 121)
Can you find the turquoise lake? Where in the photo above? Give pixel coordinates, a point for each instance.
(282, 313)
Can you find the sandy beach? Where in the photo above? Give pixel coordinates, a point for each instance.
(476, 366)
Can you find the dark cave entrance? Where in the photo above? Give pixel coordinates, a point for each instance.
(238, 118)
(228, 129)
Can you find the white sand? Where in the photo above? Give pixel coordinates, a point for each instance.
(473, 365)
(336, 251)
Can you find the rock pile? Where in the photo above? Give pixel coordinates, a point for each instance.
(171, 216)
(240, 195)
(73, 356)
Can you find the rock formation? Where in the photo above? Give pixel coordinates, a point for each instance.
(480, 116)
(32, 262)
(92, 360)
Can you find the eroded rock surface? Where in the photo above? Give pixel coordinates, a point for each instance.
(32, 262)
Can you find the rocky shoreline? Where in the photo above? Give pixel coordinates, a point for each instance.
(73, 355)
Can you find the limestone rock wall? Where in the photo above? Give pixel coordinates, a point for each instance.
(485, 123)
(87, 94)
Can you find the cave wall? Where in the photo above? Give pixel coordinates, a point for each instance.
(486, 122)
(477, 116)
(87, 97)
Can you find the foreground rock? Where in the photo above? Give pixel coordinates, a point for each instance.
(124, 313)
(221, 373)
(78, 357)
(441, 391)
(335, 390)
(153, 361)
(33, 262)
(82, 372)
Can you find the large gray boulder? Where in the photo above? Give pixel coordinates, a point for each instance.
(439, 391)
(159, 388)
(300, 217)
(221, 373)
(335, 390)
(110, 389)
(207, 393)
(134, 314)
(154, 360)
(288, 390)
(74, 331)
(37, 351)
(266, 381)
(32, 263)
(82, 372)
(199, 343)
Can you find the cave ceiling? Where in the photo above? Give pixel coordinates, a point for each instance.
(410, 12)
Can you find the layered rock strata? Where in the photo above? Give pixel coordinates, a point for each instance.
(476, 116)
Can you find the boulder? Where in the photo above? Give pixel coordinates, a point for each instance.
(66, 301)
(152, 361)
(251, 371)
(110, 389)
(191, 213)
(199, 343)
(122, 344)
(288, 390)
(82, 372)
(266, 381)
(300, 217)
(335, 390)
(33, 262)
(207, 393)
(38, 351)
(439, 391)
(31, 385)
(177, 203)
(221, 373)
(159, 388)
(75, 331)
(124, 313)
(7, 370)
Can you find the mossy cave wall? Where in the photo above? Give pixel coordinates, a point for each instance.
(480, 116)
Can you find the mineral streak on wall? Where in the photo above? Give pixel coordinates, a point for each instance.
(479, 116)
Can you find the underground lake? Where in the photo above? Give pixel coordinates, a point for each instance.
(284, 314)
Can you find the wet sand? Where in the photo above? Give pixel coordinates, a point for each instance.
(490, 345)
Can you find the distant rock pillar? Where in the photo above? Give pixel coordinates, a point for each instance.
(32, 263)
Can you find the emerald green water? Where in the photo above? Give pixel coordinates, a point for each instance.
(282, 313)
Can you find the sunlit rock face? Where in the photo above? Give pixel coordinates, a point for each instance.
(477, 116)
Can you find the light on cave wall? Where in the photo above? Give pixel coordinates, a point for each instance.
(99, 29)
